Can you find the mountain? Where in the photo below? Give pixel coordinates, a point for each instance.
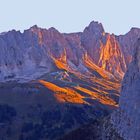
(55, 82)
(44, 50)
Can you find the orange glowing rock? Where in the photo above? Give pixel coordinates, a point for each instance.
(52, 86)
(40, 37)
(64, 94)
(98, 96)
(109, 54)
(89, 63)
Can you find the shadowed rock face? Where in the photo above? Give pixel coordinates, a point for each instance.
(127, 42)
(126, 120)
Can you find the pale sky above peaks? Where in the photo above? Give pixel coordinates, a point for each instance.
(117, 16)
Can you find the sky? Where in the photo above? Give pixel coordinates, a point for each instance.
(117, 16)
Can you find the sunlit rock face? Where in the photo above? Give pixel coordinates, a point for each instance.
(104, 49)
(126, 120)
(110, 52)
(111, 57)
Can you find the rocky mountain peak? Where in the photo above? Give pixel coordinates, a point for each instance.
(34, 28)
(135, 30)
(95, 28)
(52, 29)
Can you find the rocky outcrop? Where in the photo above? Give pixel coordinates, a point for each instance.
(126, 120)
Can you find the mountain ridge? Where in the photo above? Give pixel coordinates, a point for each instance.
(50, 43)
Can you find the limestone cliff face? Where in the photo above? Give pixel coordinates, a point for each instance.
(111, 57)
(104, 49)
(110, 52)
(126, 120)
(90, 39)
(37, 51)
